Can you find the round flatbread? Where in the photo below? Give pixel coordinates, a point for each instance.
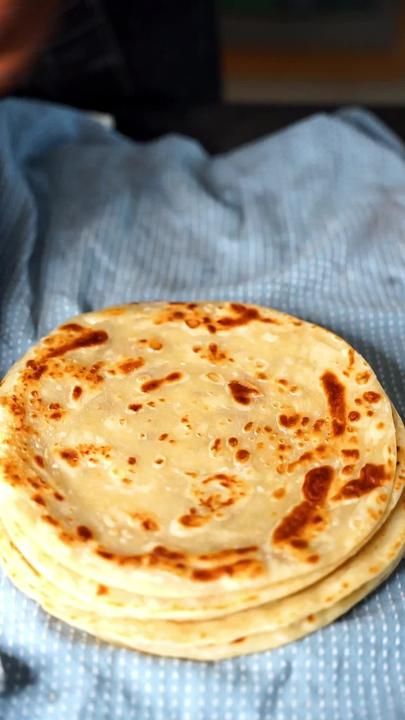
(264, 628)
(106, 601)
(186, 450)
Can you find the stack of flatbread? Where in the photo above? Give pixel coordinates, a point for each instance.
(198, 480)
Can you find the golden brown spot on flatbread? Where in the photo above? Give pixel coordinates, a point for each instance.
(371, 477)
(238, 640)
(56, 415)
(233, 441)
(298, 543)
(16, 408)
(50, 520)
(288, 420)
(155, 344)
(84, 532)
(283, 381)
(348, 469)
(318, 424)
(249, 568)
(317, 483)
(34, 370)
(105, 554)
(304, 421)
(216, 445)
(86, 338)
(192, 323)
(335, 395)
(244, 315)
(193, 519)
(58, 496)
(70, 455)
(151, 385)
(313, 558)
(129, 365)
(163, 436)
(351, 358)
(229, 554)
(242, 455)
(219, 491)
(132, 460)
(178, 315)
(147, 522)
(242, 392)
(150, 525)
(195, 317)
(311, 618)
(362, 378)
(293, 524)
(371, 397)
(72, 327)
(102, 590)
(38, 499)
(77, 391)
(248, 427)
(354, 416)
(351, 453)
(39, 461)
(214, 353)
(307, 517)
(278, 493)
(31, 481)
(307, 455)
(370, 413)
(135, 407)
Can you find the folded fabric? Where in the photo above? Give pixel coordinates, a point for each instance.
(310, 221)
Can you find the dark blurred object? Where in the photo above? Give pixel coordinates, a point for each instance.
(150, 52)
(291, 7)
(18, 675)
(220, 128)
(340, 24)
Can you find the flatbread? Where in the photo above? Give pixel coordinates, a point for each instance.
(263, 628)
(108, 602)
(190, 450)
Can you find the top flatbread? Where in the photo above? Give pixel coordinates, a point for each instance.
(185, 449)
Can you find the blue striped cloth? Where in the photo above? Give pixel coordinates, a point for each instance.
(311, 221)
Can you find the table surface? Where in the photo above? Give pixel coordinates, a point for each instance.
(223, 127)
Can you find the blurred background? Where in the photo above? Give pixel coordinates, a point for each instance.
(223, 71)
(313, 50)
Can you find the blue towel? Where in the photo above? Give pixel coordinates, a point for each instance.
(310, 221)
